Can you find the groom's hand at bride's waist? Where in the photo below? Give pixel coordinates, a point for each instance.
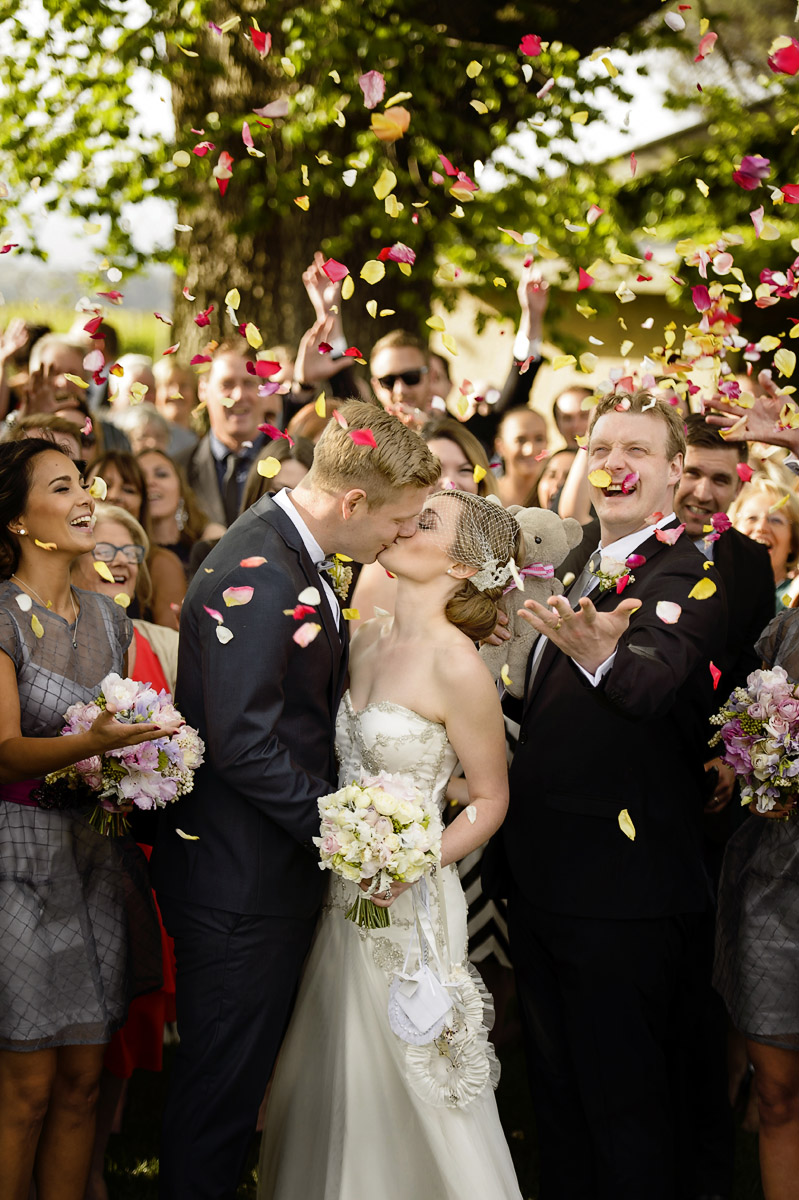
(588, 636)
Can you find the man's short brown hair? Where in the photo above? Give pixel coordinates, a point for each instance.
(400, 339)
(649, 405)
(399, 459)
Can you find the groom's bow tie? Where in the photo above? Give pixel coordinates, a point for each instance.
(325, 566)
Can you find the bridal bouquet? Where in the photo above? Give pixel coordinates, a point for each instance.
(148, 775)
(760, 732)
(381, 829)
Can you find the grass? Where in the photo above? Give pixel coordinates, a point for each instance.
(132, 1161)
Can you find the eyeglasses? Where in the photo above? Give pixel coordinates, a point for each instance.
(106, 552)
(409, 378)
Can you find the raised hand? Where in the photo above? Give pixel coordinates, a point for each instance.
(311, 366)
(533, 293)
(758, 423)
(323, 294)
(14, 338)
(586, 635)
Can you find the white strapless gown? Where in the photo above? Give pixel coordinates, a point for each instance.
(355, 1112)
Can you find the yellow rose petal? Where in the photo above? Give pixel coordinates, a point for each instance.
(98, 489)
(233, 298)
(373, 271)
(437, 323)
(269, 467)
(479, 473)
(785, 362)
(562, 360)
(320, 405)
(474, 68)
(102, 570)
(122, 599)
(45, 545)
(351, 614)
(626, 825)
(253, 335)
(703, 589)
(579, 118)
(347, 288)
(449, 343)
(76, 379)
(371, 308)
(37, 626)
(181, 158)
(504, 676)
(385, 184)
(600, 478)
(302, 202)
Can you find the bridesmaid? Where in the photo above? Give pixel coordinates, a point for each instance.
(78, 932)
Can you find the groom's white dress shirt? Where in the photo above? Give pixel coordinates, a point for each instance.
(317, 555)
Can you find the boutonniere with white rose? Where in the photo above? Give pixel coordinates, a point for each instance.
(616, 575)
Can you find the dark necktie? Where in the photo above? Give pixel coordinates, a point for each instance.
(230, 489)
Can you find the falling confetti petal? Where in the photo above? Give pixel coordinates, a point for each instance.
(269, 467)
(390, 126)
(373, 86)
(76, 379)
(309, 595)
(600, 478)
(668, 612)
(626, 825)
(187, 837)
(372, 271)
(668, 536)
(46, 545)
(715, 675)
(505, 676)
(703, 589)
(213, 612)
(363, 437)
(530, 45)
(784, 56)
(102, 570)
(122, 599)
(37, 626)
(255, 561)
(351, 614)
(224, 634)
(234, 596)
(24, 601)
(334, 270)
(98, 490)
(306, 633)
(745, 472)
(785, 362)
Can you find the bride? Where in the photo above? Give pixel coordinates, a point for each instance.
(356, 1110)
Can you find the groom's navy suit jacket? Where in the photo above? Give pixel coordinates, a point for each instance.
(265, 707)
(637, 741)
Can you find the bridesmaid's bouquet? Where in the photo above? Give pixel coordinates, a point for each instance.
(149, 775)
(381, 829)
(760, 732)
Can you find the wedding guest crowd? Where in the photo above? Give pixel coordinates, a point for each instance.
(612, 938)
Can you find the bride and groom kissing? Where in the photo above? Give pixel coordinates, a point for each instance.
(351, 1103)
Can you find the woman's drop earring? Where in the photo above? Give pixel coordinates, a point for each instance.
(181, 515)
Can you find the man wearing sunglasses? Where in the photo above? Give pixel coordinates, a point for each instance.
(400, 374)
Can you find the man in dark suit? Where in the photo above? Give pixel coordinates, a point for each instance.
(235, 869)
(218, 465)
(709, 484)
(607, 881)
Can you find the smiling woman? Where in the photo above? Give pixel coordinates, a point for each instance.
(769, 513)
(78, 929)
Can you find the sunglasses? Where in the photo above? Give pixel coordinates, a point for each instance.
(107, 552)
(409, 378)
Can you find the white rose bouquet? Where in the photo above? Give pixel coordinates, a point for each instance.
(381, 829)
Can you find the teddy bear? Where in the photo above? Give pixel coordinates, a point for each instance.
(547, 539)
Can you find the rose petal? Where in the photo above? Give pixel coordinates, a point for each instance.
(745, 472)
(626, 825)
(213, 612)
(233, 596)
(255, 561)
(703, 589)
(224, 634)
(373, 86)
(306, 633)
(715, 675)
(335, 270)
(669, 536)
(363, 437)
(309, 595)
(668, 612)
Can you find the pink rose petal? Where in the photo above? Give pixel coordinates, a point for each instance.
(715, 674)
(278, 108)
(745, 472)
(373, 86)
(213, 612)
(669, 536)
(257, 560)
(306, 633)
(363, 437)
(234, 596)
(530, 45)
(335, 270)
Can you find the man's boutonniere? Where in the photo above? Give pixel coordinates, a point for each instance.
(616, 575)
(341, 575)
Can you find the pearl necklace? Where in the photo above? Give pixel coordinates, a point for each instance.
(49, 606)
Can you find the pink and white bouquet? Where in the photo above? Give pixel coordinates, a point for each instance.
(382, 829)
(149, 775)
(760, 732)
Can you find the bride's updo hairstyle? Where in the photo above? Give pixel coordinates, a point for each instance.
(489, 538)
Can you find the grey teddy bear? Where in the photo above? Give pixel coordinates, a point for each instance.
(547, 539)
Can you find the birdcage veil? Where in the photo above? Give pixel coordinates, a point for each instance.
(479, 533)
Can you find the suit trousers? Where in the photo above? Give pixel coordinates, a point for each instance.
(602, 1006)
(237, 976)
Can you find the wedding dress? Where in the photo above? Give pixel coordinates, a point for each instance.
(355, 1111)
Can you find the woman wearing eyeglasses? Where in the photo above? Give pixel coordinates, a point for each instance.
(122, 547)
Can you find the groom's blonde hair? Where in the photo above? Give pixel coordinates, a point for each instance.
(399, 458)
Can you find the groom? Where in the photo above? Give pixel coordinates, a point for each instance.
(603, 833)
(235, 870)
